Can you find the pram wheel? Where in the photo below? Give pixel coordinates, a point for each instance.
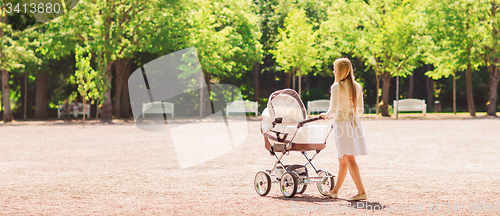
(289, 183)
(301, 188)
(327, 182)
(301, 170)
(262, 183)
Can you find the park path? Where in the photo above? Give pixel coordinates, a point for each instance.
(116, 169)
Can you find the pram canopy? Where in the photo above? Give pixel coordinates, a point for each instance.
(285, 104)
(280, 122)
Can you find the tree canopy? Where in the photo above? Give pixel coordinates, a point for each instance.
(258, 45)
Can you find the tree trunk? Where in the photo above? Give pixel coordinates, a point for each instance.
(470, 97)
(288, 79)
(492, 102)
(25, 103)
(200, 81)
(97, 111)
(411, 80)
(429, 83)
(493, 68)
(377, 101)
(386, 83)
(107, 106)
(308, 84)
(84, 109)
(300, 83)
(42, 81)
(7, 112)
(468, 79)
(397, 92)
(256, 81)
(125, 104)
(118, 89)
(454, 94)
(121, 66)
(208, 77)
(293, 79)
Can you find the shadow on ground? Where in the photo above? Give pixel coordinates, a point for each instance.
(367, 205)
(306, 198)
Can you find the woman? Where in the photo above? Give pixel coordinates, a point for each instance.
(346, 104)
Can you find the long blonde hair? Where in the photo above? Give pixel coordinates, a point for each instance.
(344, 73)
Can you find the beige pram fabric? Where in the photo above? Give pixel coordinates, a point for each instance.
(286, 106)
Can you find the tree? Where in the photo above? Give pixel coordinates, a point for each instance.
(126, 28)
(490, 53)
(296, 50)
(114, 30)
(455, 40)
(272, 14)
(57, 41)
(226, 36)
(387, 35)
(90, 82)
(13, 53)
(444, 58)
(117, 38)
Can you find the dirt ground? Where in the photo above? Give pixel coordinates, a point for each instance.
(415, 165)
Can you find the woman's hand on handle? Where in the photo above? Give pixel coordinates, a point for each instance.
(322, 115)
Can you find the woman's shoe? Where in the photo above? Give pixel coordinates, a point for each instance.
(332, 195)
(355, 198)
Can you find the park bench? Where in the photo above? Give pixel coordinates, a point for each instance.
(318, 106)
(75, 112)
(410, 105)
(158, 107)
(243, 107)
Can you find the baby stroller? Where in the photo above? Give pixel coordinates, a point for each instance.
(286, 129)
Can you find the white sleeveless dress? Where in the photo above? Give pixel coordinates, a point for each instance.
(347, 129)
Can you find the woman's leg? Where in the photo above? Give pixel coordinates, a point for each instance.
(354, 170)
(341, 176)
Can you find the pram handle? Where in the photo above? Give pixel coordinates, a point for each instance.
(302, 123)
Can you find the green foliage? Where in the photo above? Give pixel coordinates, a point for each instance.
(455, 27)
(89, 81)
(387, 35)
(226, 35)
(339, 34)
(296, 48)
(15, 51)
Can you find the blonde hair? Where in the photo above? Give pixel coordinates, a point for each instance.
(345, 73)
